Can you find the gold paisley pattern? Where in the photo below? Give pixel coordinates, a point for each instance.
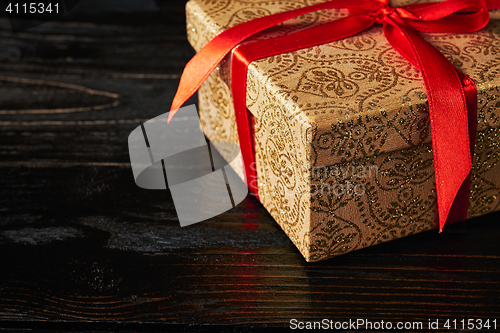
(342, 130)
(485, 190)
(326, 82)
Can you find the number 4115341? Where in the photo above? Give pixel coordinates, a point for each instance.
(32, 8)
(478, 324)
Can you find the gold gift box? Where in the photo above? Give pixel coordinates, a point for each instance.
(342, 131)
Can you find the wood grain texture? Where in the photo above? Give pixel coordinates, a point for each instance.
(84, 249)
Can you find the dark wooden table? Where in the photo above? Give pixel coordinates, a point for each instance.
(82, 248)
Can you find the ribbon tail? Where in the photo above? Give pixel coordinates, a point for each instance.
(458, 210)
(448, 109)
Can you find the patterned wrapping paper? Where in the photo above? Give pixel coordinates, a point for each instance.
(342, 133)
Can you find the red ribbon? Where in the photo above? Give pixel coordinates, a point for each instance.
(452, 96)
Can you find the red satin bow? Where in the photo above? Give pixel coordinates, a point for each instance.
(452, 96)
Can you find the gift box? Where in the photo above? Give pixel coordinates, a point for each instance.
(341, 131)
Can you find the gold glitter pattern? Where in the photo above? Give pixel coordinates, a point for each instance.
(349, 115)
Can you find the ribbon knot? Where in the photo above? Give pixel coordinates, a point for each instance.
(381, 14)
